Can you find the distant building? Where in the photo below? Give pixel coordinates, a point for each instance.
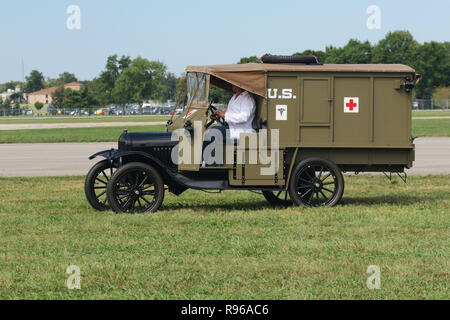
(10, 93)
(45, 95)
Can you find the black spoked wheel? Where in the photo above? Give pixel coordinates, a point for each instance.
(277, 198)
(135, 188)
(96, 183)
(316, 182)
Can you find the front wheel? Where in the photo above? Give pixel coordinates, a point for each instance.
(96, 182)
(316, 182)
(135, 188)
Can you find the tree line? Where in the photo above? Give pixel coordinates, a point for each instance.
(430, 59)
(125, 80)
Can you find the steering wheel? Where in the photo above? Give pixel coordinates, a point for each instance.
(214, 118)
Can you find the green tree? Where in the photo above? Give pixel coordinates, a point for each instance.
(38, 105)
(170, 86)
(35, 82)
(72, 99)
(64, 78)
(353, 52)
(442, 93)
(181, 91)
(396, 47)
(141, 81)
(248, 59)
(433, 63)
(103, 86)
(100, 91)
(88, 101)
(113, 69)
(58, 97)
(67, 77)
(5, 106)
(79, 99)
(442, 97)
(9, 85)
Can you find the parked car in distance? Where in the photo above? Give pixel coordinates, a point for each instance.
(179, 110)
(101, 111)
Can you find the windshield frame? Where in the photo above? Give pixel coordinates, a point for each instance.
(197, 95)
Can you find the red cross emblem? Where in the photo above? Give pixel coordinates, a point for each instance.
(351, 105)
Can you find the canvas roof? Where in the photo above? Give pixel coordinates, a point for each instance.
(252, 76)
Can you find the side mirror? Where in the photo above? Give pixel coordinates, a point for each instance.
(215, 99)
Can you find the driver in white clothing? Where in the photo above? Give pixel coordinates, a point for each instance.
(240, 113)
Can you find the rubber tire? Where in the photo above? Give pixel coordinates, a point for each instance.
(156, 178)
(90, 181)
(273, 200)
(340, 180)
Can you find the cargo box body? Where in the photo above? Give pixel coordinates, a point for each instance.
(359, 120)
(357, 115)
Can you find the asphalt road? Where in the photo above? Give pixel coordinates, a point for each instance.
(60, 159)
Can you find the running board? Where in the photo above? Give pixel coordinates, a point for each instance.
(202, 184)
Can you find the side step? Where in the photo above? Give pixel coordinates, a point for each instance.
(201, 184)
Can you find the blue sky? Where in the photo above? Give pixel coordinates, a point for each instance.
(182, 33)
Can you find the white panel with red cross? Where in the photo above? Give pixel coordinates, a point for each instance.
(351, 105)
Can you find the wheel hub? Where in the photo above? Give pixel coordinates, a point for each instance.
(317, 185)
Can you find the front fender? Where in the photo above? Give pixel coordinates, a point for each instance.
(114, 154)
(108, 154)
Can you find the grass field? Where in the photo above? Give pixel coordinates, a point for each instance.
(84, 119)
(421, 128)
(99, 134)
(230, 245)
(431, 128)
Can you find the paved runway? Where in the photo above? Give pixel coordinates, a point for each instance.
(59, 159)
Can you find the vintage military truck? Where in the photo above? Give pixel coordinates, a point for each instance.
(329, 119)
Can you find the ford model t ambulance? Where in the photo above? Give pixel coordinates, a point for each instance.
(312, 121)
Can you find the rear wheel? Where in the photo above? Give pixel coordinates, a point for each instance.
(96, 182)
(277, 198)
(135, 188)
(316, 182)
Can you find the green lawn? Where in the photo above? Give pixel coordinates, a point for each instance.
(99, 134)
(227, 246)
(431, 128)
(83, 119)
